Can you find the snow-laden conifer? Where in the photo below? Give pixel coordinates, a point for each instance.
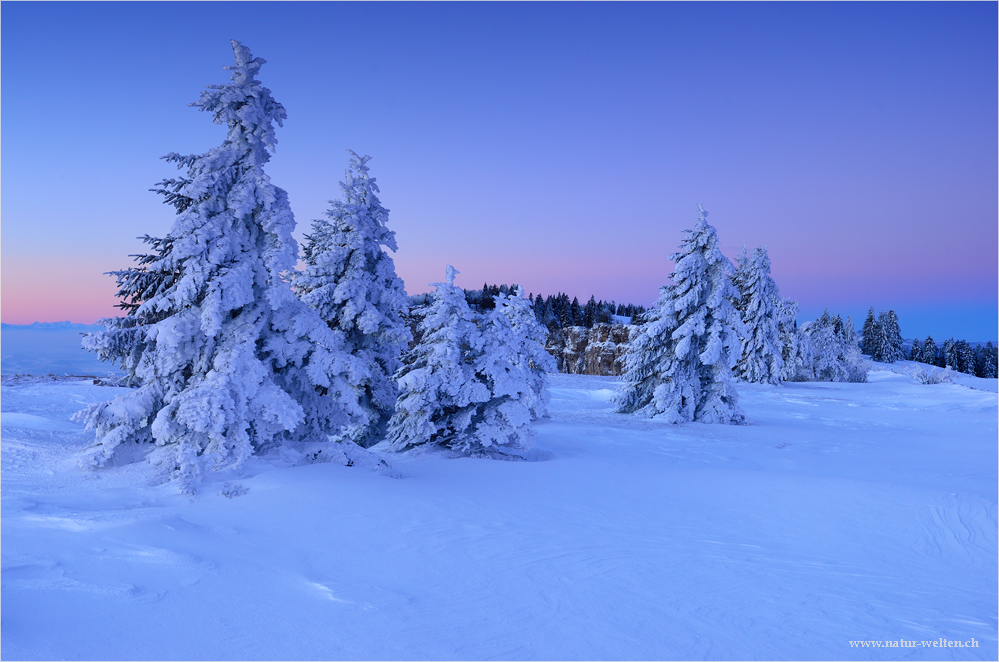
(869, 333)
(350, 280)
(530, 359)
(835, 351)
(679, 365)
(227, 360)
(888, 339)
(439, 390)
(916, 351)
(762, 361)
(796, 350)
(474, 382)
(928, 354)
(989, 367)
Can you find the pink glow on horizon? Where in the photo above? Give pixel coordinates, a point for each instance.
(76, 291)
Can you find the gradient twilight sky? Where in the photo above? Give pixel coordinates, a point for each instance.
(562, 146)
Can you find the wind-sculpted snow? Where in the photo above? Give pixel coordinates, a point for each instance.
(842, 512)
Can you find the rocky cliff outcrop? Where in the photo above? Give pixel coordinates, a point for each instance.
(596, 351)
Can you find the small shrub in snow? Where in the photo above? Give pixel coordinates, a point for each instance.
(923, 376)
(232, 490)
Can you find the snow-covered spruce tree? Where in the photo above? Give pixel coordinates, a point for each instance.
(835, 352)
(679, 365)
(929, 352)
(965, 357)
(350, 280)
(869, 333)
(739, 276)
(888, 339)
(226, 358)
(762, 360)
(948, 357)
(439, 390)
(989, 367)
(528, 355)
(916, 351)
(474, 382)
(517, 386)
(796, 351)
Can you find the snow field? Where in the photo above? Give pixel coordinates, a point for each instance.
(842, 512)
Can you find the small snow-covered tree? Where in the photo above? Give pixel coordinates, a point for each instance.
(529, 357)
(928, 355)
(988, 365)
(439, 391)
(965, 357)
(916, 351)
(835, 352)
(350, 280)
(679, 365)
(948, 357)
(762, 358)
(869, 334)
(796, 350)
(474, 382)
(227, 360)
(888, 339)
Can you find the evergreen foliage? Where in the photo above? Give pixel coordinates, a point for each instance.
(762, 358)
(889, 338)
(226, 359)
(835, 351)
(474, 381)
(350, 280)
(928, 353)
(988, 362)
(796, 349)
(678, 367)
(869, 334)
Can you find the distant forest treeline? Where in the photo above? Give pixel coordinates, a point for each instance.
(555, 311)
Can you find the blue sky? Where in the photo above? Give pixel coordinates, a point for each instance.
(563, 146)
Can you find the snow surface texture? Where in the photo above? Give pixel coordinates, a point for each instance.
(842, 512)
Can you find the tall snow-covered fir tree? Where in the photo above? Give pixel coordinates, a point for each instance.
(350, 280)
(679, 365)
(227, 360)
(762, 360)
